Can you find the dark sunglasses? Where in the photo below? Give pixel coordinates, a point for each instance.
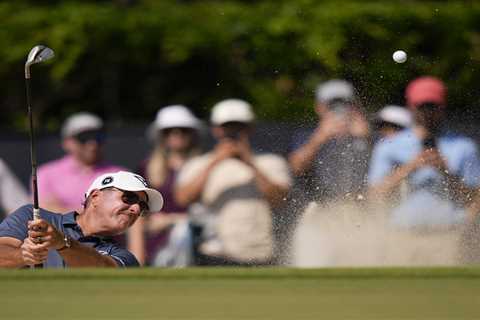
(130, 197)
(91, 135)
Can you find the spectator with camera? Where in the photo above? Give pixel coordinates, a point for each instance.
(237, 189)
(331, 162)
(62, 182)
(441, 168)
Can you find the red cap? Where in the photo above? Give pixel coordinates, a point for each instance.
(426, 90)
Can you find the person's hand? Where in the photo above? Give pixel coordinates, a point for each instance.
(358, 127)
(44, 234)
(432, 158)
(225, 148)
(244, 151)
(32, 253)
(330, 126)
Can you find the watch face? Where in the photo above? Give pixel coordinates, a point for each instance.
(68, 242)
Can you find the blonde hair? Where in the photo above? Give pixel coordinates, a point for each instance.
(156, 168)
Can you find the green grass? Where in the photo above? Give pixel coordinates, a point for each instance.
(224, 293)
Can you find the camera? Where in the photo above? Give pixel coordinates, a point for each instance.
(429, 143)
(233, 135)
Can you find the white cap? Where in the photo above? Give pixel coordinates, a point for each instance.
(176, 116)
(127, 181)
(232, 110)
(335, 89)
(397, 115)
(80, 122)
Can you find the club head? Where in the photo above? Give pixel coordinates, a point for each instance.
(38, 54)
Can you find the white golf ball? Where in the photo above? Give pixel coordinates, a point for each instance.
(399, 56)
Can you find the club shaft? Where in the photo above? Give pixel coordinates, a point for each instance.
(33, 157)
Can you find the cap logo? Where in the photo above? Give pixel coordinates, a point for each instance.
(107, 180)
(141, 179)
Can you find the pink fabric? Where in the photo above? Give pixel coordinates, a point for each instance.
(65, 180)
(425, 90)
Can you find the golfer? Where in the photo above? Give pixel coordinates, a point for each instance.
(113, 202)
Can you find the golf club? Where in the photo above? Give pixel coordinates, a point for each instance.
(36, 55)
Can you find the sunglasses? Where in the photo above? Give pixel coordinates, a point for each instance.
(91, 135)
(130, 198)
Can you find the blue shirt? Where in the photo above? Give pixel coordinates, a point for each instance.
(429, 201)
(15, 226)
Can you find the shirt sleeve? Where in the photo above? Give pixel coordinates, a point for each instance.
(122, 257)
(299, 139)
(191, 169)
(12, 193)
(470, 173)
(380, 163)
(15, 225)
(275, 168)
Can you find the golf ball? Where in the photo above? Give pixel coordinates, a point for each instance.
(399, 56)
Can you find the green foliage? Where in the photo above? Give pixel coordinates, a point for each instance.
(126, 61)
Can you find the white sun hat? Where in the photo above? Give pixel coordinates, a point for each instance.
(176, 116)
(335, 89)
(81, 122)
(127, 181)
(232, 110)
(397, 115)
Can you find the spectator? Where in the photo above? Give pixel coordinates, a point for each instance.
(331, 161)
(391, 120)
(164, 238)
(12, 192)
(330, 165)
(113, 202)
(61, 182)
(238, 188)
(441, 168)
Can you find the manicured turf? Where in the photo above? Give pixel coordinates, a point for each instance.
(393, 293)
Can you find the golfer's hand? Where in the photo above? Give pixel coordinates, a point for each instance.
(44, 234)
(32, 253)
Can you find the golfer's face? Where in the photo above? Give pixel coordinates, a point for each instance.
(120, 209)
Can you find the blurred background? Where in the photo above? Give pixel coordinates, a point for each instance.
(125, 59)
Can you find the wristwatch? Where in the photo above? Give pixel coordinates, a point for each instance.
(67, 243)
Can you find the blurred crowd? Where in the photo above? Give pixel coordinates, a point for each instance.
(396, 187)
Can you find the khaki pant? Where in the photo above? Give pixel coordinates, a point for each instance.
(342, 234)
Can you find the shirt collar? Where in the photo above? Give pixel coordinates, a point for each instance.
(69, 218)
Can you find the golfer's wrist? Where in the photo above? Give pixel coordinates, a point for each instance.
(64, 242)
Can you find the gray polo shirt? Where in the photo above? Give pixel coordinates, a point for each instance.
(15, 226)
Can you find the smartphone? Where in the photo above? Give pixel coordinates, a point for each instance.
(429, 143)
(234, 135)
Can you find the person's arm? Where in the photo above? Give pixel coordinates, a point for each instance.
(190, 192)
(17, 254)
(382, 189)
(273, 192)
(187, 193)
(330, 126)
(136, 240)
(77, 255)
